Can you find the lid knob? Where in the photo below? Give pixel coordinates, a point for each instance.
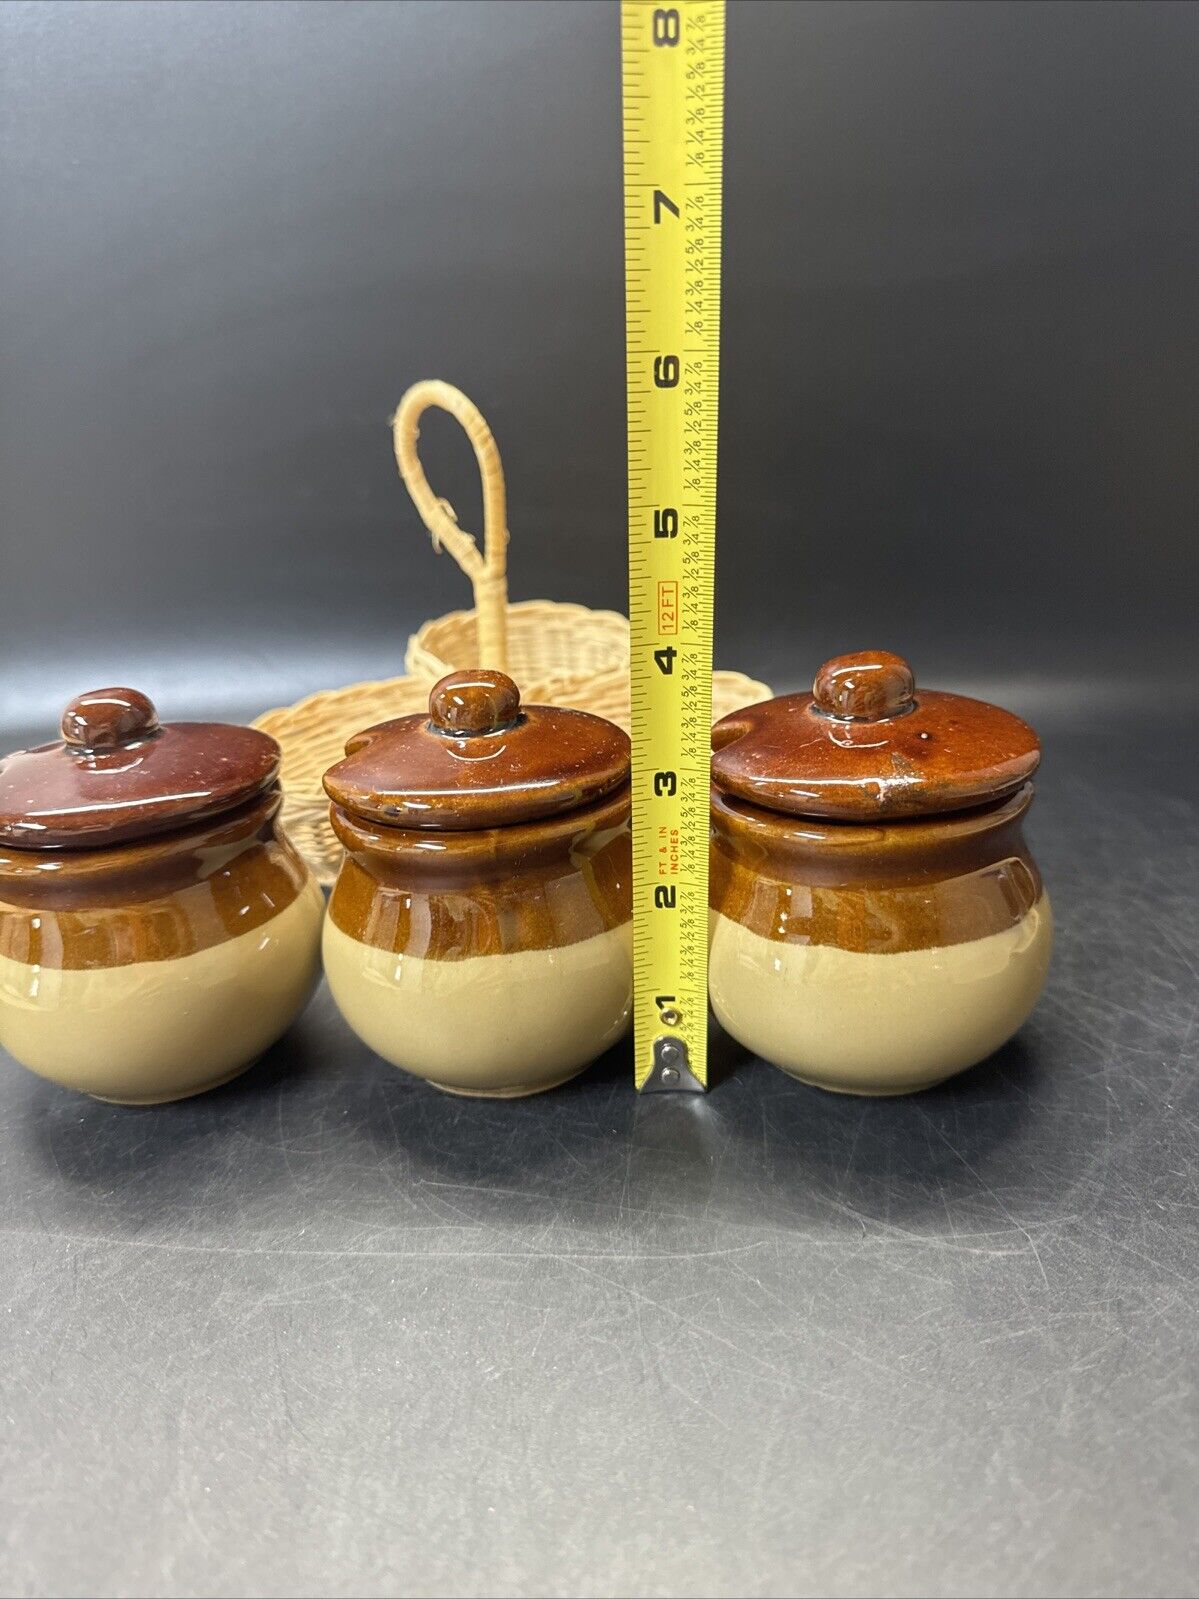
(479, 701)
(867, 686)
(108, 716)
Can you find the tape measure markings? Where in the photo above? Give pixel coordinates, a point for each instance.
(673, 72)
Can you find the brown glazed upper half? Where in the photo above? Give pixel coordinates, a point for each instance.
(119, 775)
(867, 745)
(165, 897)
(478, 760)
(499, 890)
(919, 884)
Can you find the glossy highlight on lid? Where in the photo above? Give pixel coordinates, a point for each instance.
(478, 760)
(119, 775)
(468, 703)
(155, 900)
(866, 744)
(865, 687)
(107, 716)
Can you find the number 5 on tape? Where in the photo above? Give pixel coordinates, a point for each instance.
(673, 74)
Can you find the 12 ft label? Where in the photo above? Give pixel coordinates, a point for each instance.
(673, 77)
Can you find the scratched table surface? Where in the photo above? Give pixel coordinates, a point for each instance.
(327, 1331)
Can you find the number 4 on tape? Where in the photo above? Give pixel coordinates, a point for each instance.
(673, 75)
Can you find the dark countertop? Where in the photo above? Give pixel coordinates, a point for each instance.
(329, 1331)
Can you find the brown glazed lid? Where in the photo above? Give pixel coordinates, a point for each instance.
(120, 775)
(866, 745)
(479, 759)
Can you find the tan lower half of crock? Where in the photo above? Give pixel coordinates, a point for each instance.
(877, 1024)
(153, 1031)
(495, 1025)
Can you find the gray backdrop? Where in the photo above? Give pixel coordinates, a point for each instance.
(327, 1331)
(960, 352)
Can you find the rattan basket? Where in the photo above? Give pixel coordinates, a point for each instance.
(559, 654)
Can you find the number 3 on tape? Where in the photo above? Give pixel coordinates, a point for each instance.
(673, 74)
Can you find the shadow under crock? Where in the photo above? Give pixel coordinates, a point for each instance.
(994, 1141)
(563, 1145)
(143, 1161)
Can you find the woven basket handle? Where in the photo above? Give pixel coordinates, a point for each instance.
(488, 571)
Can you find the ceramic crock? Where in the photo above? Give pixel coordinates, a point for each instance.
(878, 923)
(479, 932)
(157, 931)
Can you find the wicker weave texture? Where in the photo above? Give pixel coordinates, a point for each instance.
(313, 733)
(559, 654)
(546, 642)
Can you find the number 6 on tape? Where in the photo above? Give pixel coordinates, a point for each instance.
(673, 73)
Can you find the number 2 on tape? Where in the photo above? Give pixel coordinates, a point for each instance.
(673, 76)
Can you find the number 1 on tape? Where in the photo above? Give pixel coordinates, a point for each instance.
(673, 73)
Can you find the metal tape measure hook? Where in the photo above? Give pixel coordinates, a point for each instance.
(671, 1072)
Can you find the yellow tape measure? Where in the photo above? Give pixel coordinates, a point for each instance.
(673, 72)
